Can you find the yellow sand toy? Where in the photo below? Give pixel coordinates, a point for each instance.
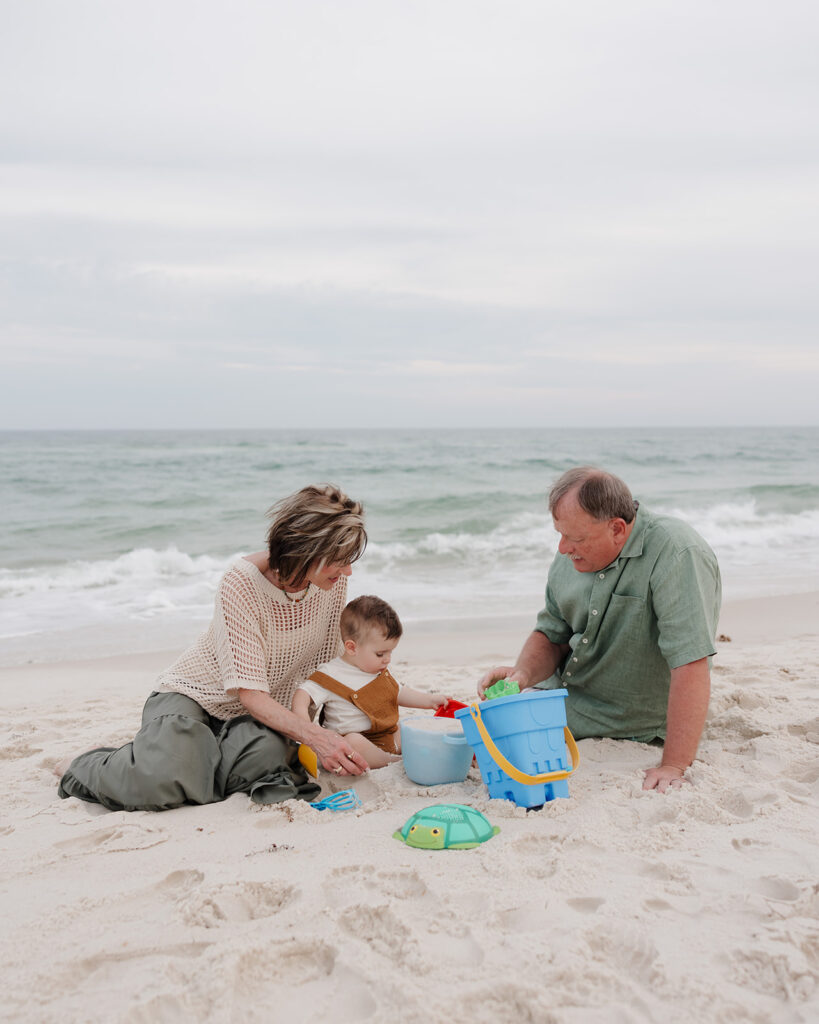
(309, 760)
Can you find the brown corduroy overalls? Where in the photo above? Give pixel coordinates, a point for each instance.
(378, 699)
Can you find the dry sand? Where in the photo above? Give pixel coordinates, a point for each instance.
(615, 905)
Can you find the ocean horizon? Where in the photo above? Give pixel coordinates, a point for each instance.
(114, 541)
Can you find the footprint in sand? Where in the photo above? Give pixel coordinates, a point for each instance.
(119, 839)
(798, 792)
(748, 845)
(168, 1008)
(585, 904)
(106, 969)
(382, 930)
(294, 981)
(234, 903)
(403, 885)
(537, 844)
(735, 725)
(788, 978)
(17, 749)
(657, 905)
(291, 962)
(357, 881)
(780, 889)
(544, 853)
(345, 884)
(735, 802)
(181, 880)
(507, 1002)
(809, 730)
(531, 917)
(623, 947)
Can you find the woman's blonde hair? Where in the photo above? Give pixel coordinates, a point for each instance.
(318, 524)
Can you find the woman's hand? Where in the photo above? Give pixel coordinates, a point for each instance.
(335, 754)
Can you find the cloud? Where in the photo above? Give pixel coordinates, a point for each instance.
(436, 200)
(439, 368)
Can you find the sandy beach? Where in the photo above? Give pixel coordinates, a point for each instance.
(614, 905)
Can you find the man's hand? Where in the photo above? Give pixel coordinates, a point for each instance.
(663, 777)
(492, 677)
(687, 705)
(538, 659)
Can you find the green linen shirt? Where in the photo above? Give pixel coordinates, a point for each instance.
(656, 607)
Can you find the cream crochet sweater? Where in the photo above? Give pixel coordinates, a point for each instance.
(258, 640)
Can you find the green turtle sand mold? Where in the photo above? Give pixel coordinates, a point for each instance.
(446, 827)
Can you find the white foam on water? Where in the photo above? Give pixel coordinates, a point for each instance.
(147, 594)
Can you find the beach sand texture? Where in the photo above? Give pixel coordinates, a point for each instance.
(612, 906)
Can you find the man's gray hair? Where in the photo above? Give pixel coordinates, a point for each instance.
(602, 495)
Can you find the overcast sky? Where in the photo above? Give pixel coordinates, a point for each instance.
(373, 212)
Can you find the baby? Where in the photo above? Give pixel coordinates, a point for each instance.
(359, 696)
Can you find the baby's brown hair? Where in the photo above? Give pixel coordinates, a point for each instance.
(365, 612)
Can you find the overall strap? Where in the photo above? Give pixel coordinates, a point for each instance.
(333, 685)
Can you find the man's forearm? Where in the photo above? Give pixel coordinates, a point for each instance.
(538, 660)
(687, 706)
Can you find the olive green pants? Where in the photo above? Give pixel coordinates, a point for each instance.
(183, 755)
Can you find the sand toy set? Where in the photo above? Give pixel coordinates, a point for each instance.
(521, 742)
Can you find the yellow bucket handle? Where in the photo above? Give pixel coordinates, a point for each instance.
(510, 769)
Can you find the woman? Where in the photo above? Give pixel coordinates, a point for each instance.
(220, 722)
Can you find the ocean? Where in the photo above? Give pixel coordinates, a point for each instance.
(113, 542)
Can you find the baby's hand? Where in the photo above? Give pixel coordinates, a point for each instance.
(438, 700)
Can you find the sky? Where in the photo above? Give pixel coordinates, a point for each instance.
(378, 213)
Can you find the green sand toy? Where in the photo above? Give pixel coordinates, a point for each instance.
(502, 688)
(446, 827)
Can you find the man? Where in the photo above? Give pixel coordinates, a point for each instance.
(632, 604)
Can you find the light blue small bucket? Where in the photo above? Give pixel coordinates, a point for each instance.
(522, 744)
(433, 758)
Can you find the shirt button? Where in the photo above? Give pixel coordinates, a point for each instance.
(594, 611)
(585, 641)
(355, 695)
(602, 576)
(574, 659)
(568, 673)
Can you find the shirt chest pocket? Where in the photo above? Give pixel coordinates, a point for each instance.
(626, 620)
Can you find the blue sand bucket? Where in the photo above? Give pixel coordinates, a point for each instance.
(521, 745)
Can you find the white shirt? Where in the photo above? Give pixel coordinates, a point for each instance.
(340, 715)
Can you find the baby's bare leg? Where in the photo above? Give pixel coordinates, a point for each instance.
(373, 755)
